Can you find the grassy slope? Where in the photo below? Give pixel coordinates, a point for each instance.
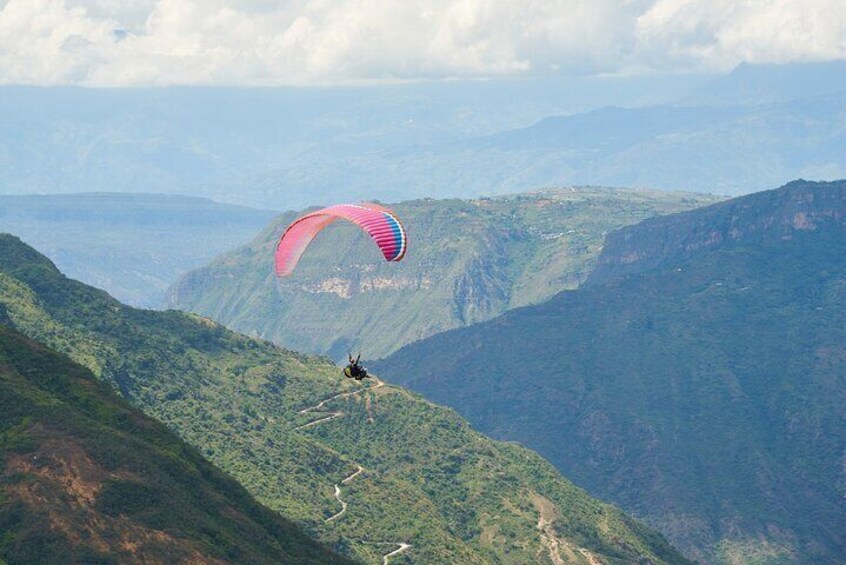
(706, 396)
(468, 261)
(429, 480)
(85, 478)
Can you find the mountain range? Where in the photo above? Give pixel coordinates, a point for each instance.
(469, 260)
(214, 142)
(287, 148)
(132, 245)
(726, 149)
(696, 378)
(371, 470)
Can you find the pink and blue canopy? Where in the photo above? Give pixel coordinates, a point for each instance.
(379, 222)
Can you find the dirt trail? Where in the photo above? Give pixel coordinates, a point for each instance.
(354, 475)
(402, 547)
(331, 415)
(554, 547)
(338, 493)
(550, 541)
(589, 556)
(343, 505)
(319, 406)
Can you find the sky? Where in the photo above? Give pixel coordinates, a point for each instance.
(331, 42)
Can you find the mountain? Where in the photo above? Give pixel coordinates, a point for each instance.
(724, 148)
(215, 142)
(132, 245)
(86, 478)
(757, 84)
(694, 148)
(468, 261)
(696, 379)
(287, 148)
(373, 471)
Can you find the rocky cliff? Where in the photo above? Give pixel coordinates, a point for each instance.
(697, 381)
(758, 218)
(468, 261)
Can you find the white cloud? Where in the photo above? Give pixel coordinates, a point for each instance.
(129, 42)
(719, 34)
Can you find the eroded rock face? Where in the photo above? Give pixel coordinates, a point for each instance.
(468, 261)
(799, 206)
(348, 287)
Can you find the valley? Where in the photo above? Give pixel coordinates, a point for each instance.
(695, 379)
(430, 480)
(134, 246)
(471, 260)
(471, 282)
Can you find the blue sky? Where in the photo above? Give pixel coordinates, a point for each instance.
(279, 42)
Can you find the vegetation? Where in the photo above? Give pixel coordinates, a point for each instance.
(86, 478)
(468, 261)
(427, 478)
(704, 393)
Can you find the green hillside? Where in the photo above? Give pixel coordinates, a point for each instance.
(85, 478)
(468, 261)
(370, 470)
(704, 393)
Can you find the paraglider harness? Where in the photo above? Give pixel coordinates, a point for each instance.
(355, 370)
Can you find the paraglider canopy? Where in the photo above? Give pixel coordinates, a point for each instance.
(379, 222)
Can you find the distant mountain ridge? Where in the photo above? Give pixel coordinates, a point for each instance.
(696, 379)
(759, 84)
(296, 147)
(368, 469)
(467, 261)
(219, 142)
(132, 245)
(657, 241)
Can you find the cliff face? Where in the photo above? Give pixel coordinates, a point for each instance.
(697, 381)
(468, 261)
(759, 218)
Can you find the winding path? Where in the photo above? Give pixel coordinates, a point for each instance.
(343, 505)
(332, 414)
(338, 494)
(549, 540)
(553, 546)
(354, 475)
(401, 546)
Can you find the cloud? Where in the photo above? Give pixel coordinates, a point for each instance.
(153, 42)
(719, 34)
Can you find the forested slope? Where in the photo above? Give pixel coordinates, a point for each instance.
(86, 478)
(468, 261)
(697, 379)
(296, 435)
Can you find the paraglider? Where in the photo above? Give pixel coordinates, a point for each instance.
(355, 370)
(379, 222)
